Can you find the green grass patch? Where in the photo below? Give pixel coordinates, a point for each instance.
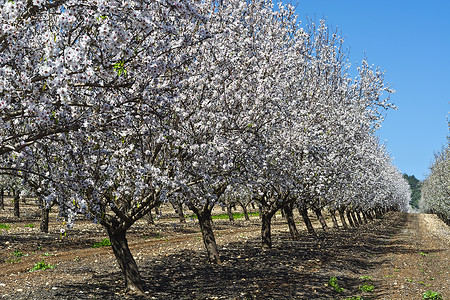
(236, 215)
(30, 225)
(102, 243)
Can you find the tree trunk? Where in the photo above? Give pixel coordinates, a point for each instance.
(230, 213)
(260, 212)
(45, 211)
(289, 215)
(266, 234)
(333, 217)
(352, 216)
(158, 213)
(2, 198)
(205, 221)
(358, 216)
(355, 220)
(350, 220)
(378, 213)
(244, 209)
(304, 213)
(342, 217)
(321, 218)
(149, 218)
(368, 215)
(364, 217)
(16, 205)
(180, 212)
(127, 264)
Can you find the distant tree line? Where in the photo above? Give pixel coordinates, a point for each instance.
(416, 187)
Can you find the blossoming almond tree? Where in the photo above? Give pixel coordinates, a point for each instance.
(91, 79)
(117, 106)
(226, 100)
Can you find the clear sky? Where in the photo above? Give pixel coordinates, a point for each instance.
(410, 40)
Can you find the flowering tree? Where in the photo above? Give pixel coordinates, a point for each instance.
(226, 102)
(436, 187)
(109, 108)
(89, 80)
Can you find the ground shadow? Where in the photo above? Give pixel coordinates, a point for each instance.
(291, 270)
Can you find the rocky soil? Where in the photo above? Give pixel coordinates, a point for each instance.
(400, 256)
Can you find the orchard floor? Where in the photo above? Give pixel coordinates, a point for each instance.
(401, 256)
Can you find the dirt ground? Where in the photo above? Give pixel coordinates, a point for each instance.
(400, 257)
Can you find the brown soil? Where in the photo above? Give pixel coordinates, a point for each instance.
(401, 256)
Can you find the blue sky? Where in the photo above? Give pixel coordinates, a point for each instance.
(410, 40)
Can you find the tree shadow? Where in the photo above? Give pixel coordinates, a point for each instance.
(290, 270)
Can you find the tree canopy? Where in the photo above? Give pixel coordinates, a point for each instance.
(109, 108)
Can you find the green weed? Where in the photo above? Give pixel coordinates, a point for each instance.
(367, 288)
(4, 226)
(18, 253)
(333, 282)
(102, 243)
(30, 225)
(430, 295)
(42, 266)
(366, 277)
(423, 283)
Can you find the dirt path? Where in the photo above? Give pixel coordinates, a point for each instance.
(417, 259)
(401, 256)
